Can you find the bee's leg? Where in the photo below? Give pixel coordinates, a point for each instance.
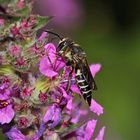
(69, 80)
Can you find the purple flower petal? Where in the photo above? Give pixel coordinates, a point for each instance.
(56, 118)
(43, 35)
(51, 52)
(46, 68)
(49, 114)
(86, 131)
(35, 138)
(4, 94)
(73, 86)
(40, 132)
(65, 95)
(89, 130)
(76, 118)
(6, 114)
(4, 86)
(96, 108)
(4, 91)
(101, 134)
(75, 89)
(80, 133)
(15, 134)
(78, 113)
(53, 115)
(59, 64)
(50, 48)
(95, 68)
(70, 105)
(50, 65)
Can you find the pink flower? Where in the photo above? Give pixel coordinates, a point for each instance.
(70, 105)
(75, 88)
(77, 113)
(26, 92)
(95, 68)
(23, 122)
(15, 134)
(2, 21)
(15, 50)
(50, 64)
(6, 111)
(15, 30)
(42, 37)
(6, 114)
(52, 116)
(89, 130)
(86, 131)
(101, 134)
(20, 4)
(96, 108)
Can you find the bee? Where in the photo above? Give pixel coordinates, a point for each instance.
(75, 57)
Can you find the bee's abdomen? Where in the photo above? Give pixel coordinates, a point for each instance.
(83, 85)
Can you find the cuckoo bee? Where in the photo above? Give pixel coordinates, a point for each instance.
(75, 57)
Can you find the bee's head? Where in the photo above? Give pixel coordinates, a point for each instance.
(64, 46)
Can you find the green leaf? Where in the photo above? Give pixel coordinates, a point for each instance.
(10, 18)
(41, 22)
(28, 42)
(4, 1)
(41, 85)
(6, 70)
(24, 12)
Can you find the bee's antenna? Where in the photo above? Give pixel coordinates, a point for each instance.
(50, 32)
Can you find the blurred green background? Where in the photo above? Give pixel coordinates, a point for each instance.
(109, 32)
(111, 35)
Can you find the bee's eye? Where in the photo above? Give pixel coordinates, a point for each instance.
(62, 46)
(76, 50)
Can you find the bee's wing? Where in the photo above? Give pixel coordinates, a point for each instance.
(86, 73)
(88, 76)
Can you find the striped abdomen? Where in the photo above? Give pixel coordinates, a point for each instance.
(84, 86)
